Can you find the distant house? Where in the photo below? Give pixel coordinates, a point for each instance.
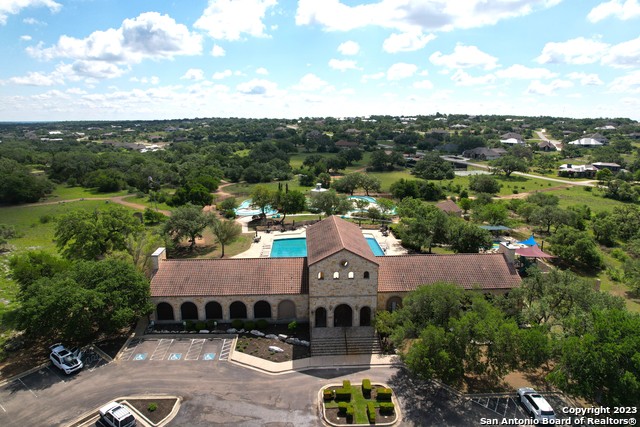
(343, 143)
(598, 137)
(458, 126)
(606, 127)
(586, 142)
(577, 171)
(634, 135)
(450, 207)
(511, 138)
(484, 153)
(613, 167)
(546, 146)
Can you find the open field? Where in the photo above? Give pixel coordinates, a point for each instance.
(243, 190)
(63, 192)
(579, 196)
(295, 160)
(145, 202)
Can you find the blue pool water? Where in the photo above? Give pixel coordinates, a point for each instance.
(245, 209)
(367, 198)
(297, 247)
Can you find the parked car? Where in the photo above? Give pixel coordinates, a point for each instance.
(64, 359)
(114, 414)
(536, 405)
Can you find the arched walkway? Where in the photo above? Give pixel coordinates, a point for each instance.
(365, 316)
(164, 311)
(238, 310)
(321, 317)
(189, 311)
(286, 310)
(262, 310)
(393, 304)
(213, 310)
(343, 316)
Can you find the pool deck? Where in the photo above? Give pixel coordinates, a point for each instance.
(262, 248)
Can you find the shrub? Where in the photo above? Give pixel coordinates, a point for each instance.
(152, 406)
(237, 324)
(383, 394)
(350, 412)
(292, 326)
(366, 388)
(343, 394)
(386, 407)
(45, 219)
(262, 324)
(190, 325)
(342, 407)
(328, 394)
(346, 384)
(249, 325)
(200, 326)
(211, 324)
(371, 412)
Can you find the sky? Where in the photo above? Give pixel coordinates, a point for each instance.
(156, 59)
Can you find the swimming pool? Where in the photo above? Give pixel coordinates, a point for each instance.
(245, 209)
(297, 247)
(367, 198)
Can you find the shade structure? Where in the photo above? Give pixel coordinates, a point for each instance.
(529, 242)
(532, 252)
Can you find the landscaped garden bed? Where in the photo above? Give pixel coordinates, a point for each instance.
(155, 410)
(359, 404)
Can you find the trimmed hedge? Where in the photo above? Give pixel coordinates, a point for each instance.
(343, 394)
(371, 412)
(346, 384)
(327, 394)
(366, 388)
(383, 394)
(262, 324)
(386, 407)
(350, 411)
(342, 408)
(249, 325)
(200, 326)
(237, 323)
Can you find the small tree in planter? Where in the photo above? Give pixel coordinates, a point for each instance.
(293, 326)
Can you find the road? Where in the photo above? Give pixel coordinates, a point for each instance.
(542, 136)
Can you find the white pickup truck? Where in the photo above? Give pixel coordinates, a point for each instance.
(536, 405)
(114, 414)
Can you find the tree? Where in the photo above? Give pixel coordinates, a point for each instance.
(330, 203)
(91, 235)
(546, 216)
(422, 225)
(404, 188)
(468, 238)
(186, 221)
(432, 166)
(262, 197)
(348, 184)
(509, 164)
(605, 228)
(7, 232)
(225, 232)
(492, 213)
(351, 155)
(465, 204)
(292, 203)
(28, 267)
(369, 183)
(18, 185)
(484, 184)
(576, 247)
(436, 355)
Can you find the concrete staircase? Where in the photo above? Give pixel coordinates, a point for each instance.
(344, 341)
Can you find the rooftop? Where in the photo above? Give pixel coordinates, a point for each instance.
(334, 234)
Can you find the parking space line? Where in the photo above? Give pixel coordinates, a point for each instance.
(126, 353)
(3, 408)
(56, 373)
(161, 349)
(226, 349)
(194, 349)
(20, 379)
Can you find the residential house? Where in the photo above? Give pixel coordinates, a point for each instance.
(577, 171)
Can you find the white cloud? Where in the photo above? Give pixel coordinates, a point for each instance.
(222, 75)
(401, 70)
(349, 48)
(76, 91)
(311, 83)
(462, 78)
(343, 64)
(623, 55)
(96, 69)
(465, 57)
(230, 19)
(622, 10)
(586, 79)
(518, 71)
(150, 35)
(375, 76)
(423, 84)
(577, 51)
(262, 71)
(406, 42)
(36, 79)
(14, 7)
(193, 74)
(33, 21)
(26, 38)
(258, 87)
(218, 51)
(629, 83)
(413, 15)
(536, 87)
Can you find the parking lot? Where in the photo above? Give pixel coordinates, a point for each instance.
(177, 349)
(508, 407)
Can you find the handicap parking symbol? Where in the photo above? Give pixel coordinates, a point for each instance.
(175, 356)
(209, 356)
(140, 356)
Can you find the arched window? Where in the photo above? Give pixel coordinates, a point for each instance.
(237, 310)
(189, 311)
(321, 317)
(351, 275)
(365, 316)
(336, 275)
(320, 275)
(366, 275)
(213, 310)
(286, 310)
(394, 303)
(262, 310)
(164, 311)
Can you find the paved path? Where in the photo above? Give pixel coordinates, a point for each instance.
(542, 136)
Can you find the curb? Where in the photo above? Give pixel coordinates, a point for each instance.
(23, 374)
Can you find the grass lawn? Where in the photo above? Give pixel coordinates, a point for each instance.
(388, 178)
(145, 201)
(296, 159)
(579, 196)
(63, 192)
(359, 403)
(243, 190)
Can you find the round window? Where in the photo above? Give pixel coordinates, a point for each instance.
(344, 263)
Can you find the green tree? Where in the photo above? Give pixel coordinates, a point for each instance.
(7, 232)
(605, 228)
(484, 184)
(436, 355)
(468, 238)
(422, 225)
(262, 197)
(405, 188)
(509, 164)
(348, 184)
(492, 213)
(91, 235)
(292, 203)
(28, 267)
(576, 247)
(432, 166)
(370, 183)
(18, 185)
(186, 221)
(225, 232)
(330, 203)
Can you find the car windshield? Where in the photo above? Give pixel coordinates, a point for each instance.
(547, 413)
(69, 360)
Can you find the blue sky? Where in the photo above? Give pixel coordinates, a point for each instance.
(154, 59)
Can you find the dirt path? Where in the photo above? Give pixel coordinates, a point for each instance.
(524, 195)
(223, 194)
(115, 199)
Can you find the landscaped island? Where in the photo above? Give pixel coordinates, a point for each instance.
(359, 404)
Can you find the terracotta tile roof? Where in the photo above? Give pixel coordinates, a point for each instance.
(407, 272)
(448, 206)
(236, 276)
(334, 234)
